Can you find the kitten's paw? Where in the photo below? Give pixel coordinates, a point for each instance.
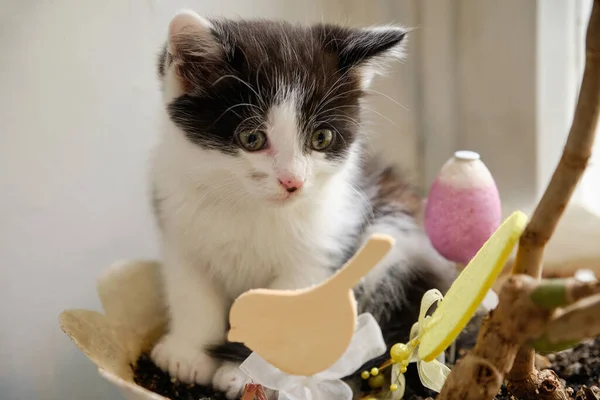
(230, 379)
(184, 361)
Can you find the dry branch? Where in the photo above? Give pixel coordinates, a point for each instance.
(524, 379)
(553, 293)
(572, 324)
(525, 310)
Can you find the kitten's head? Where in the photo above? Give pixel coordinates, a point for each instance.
(271, 108)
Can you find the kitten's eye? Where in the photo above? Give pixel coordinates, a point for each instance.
(252, 140)
(321, 139)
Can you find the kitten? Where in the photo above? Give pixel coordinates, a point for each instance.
(260, 181)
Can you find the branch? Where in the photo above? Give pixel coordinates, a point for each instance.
(553, 293)
(524, 379)
(575, 323)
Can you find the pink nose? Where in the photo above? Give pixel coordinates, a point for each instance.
(290, 183)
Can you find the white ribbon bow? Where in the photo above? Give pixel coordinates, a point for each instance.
(366, 344)
(433, 373)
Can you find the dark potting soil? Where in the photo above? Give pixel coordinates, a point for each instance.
(578, 368)
(149, 376)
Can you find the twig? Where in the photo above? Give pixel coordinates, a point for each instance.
(553, 293)
(579, 290)
(572, 325)
(523, 377)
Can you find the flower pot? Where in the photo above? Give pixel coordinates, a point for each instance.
(134, 318)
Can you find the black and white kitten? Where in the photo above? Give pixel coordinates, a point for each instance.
(260, 181)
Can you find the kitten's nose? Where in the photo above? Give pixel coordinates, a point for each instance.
(290, 183)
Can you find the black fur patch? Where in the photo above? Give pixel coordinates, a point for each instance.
(233, 77)
(229, 351)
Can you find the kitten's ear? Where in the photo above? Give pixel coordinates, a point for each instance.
(367, 48)
(192, 48)
(187, 24)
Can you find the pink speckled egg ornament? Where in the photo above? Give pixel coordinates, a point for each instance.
(463, 207)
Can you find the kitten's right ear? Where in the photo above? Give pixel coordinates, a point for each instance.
(191, 48)
(188, 24)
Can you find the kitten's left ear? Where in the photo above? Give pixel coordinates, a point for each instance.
(192, 50)
(362, 47)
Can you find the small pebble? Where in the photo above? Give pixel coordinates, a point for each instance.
(573, 369)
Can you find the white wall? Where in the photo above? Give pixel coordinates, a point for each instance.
(77, 100)
(590, 185)
(508, 90)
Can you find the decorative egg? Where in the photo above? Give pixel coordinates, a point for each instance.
(463, 208)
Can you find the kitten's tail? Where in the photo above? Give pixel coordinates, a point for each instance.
(229, 351)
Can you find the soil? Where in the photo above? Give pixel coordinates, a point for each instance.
(579, 368)
(149, 376)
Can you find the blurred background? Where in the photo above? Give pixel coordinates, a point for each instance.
(77, 124)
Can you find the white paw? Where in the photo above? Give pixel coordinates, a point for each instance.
(230, 379)
(184, 361)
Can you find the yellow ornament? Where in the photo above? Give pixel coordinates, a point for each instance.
(399, 352)
(393, 387)
(375, 382)
(469, 289)
(374, 371)
(365, 375)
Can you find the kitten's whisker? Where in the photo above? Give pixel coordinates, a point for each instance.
(322, 105)
(387, 97)
(258, 96)
(258, 83)
(373, 91)
(371, 110)
(333, 87)
(350, 120)
(231, 108)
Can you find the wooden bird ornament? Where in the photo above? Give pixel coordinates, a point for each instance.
(304, 332)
